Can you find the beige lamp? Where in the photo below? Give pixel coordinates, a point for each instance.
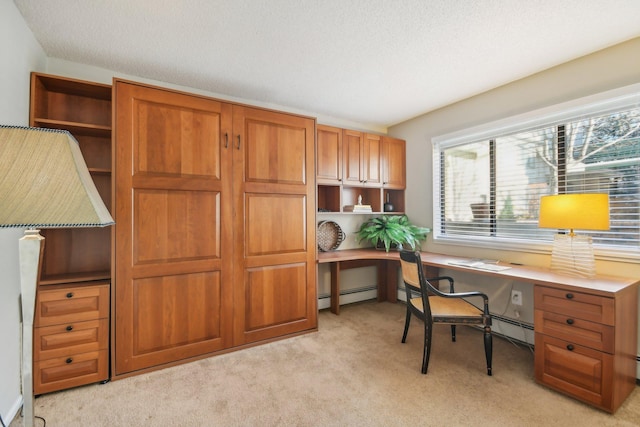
(573, 254)
(44, 183)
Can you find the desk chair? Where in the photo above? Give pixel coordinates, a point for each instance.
(433, 306)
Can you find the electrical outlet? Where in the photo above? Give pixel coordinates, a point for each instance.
(516, 297)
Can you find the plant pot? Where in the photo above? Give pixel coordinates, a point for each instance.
(480, 210)
(392, 246)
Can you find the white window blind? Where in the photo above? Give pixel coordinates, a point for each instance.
(489, 183)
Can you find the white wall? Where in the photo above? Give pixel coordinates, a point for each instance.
(21, 54)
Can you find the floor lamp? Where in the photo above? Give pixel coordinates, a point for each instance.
(44, 183)
(573, 254)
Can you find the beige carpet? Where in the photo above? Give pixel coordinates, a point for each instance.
(353, 372)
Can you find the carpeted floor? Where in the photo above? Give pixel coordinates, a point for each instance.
(352, 372)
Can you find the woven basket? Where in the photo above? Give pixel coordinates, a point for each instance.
(330, 235)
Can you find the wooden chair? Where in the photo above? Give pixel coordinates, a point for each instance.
(434, 306)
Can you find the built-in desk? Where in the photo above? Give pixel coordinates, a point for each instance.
(586, 330)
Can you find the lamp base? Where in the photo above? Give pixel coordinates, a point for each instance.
(573, 255)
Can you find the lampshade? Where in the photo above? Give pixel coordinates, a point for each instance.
(573, 254)
(44, 181)
(575, 211)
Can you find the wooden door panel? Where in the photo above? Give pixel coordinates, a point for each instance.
(273, 152)
(372, 160)
(176, 311)
(176, 141)
(394, 163)
(329, 155)
(352, 146)
(275, 295)
(175, 225)
(173, 278)
(275, 224)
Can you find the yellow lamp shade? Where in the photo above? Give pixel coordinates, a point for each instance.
(575, 211)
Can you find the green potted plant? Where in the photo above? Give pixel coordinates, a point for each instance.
(391, 230)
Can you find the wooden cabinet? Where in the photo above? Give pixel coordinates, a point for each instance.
(585, 343)
(328, 155)
(214, 226)
(373, 167)
(71, 336)
(274, 224)
(394, 163)
(362, 159)
(71, 345)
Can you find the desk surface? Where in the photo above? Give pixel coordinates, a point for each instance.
(600, 284)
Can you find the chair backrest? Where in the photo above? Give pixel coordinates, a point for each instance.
(414, 281)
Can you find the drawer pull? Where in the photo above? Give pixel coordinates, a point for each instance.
(569, 296)
(69, 360)
(69, 328)
(570, 347)
(70, 295)
(570, 321)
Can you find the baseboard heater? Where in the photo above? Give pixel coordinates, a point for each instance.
(349, 296)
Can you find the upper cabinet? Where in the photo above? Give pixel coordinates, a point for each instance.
(329, 155)
(362, 154)
(373, 170)
(394, 160)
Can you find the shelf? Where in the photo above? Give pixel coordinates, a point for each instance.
(74, 127)
(70, 86)
(75, 278)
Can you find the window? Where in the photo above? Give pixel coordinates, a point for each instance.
(488, 181)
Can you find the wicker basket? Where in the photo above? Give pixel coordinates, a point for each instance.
(330, 235)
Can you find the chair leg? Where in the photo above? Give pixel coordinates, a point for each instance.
(406, 325)
(427, 347)
(488, 347)
(453, 333)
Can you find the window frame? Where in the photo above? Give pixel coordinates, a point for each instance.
(601, 103)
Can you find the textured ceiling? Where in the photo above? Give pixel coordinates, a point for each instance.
(374, 62)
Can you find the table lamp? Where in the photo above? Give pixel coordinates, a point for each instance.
(44, 183)
(573, 254)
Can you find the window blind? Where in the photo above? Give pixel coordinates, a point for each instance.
(489, 186)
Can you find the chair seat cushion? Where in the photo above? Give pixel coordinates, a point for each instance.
(454, 309)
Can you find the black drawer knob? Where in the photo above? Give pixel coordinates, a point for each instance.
(69, 360)
(69, 328)
(70, 295)
(570, 321)
(570, 347)
(569, 296)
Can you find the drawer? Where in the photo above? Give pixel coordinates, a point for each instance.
(72, 371)
(577, 305)
(579, 371)
(576, 331)
(70, 338)
(71, 304)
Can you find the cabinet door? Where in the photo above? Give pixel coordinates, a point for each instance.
(173, 206)
(394, 160)
(372, 160)
(579, 371)
(352, 149)
(274, 224)
(329, 155)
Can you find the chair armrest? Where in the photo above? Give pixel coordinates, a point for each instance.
(453, 294)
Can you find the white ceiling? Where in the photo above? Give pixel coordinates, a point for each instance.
(374, 62)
